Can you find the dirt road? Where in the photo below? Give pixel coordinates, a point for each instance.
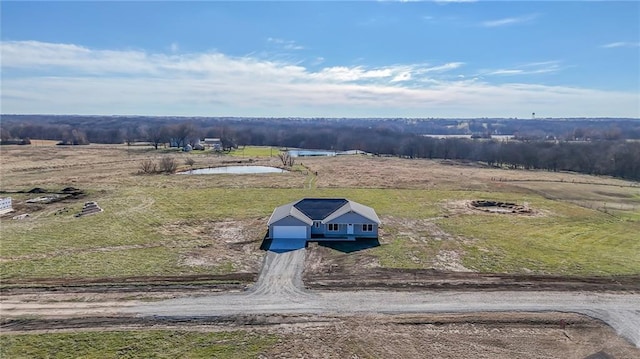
(280, 290)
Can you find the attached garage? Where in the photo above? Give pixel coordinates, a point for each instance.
(299, 232)
(288, 238)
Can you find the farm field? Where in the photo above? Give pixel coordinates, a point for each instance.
(178, 236)
(188, 225)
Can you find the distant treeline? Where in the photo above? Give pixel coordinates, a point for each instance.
(603, 146)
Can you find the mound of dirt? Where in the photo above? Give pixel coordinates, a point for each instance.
(500, 207)
(37, 190)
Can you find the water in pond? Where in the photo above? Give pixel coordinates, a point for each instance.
(309, 153)
(233, 170)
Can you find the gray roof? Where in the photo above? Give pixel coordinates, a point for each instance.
(288, 210)
(326, 209)
(351, 206)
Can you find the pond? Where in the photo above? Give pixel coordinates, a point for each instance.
(309, 153)
(233, 170)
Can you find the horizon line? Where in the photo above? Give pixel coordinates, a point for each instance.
(326, 117)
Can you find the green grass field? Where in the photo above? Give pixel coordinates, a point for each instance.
(255, 151)
(136, 344)
(571, 241)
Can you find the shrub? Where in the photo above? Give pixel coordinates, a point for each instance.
(148, 167)
(168, 165)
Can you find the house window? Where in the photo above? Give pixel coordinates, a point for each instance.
(333, 226)
(317, 224)
(367, 227)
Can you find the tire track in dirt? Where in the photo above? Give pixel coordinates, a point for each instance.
(281, 276)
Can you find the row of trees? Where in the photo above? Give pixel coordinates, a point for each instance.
(614, 158)
(179, 134)
(606, 156)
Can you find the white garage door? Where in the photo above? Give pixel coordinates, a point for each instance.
(289, 232)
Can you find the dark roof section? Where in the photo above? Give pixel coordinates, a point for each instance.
(319, 208)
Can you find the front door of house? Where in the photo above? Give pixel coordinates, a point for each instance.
(349, 228)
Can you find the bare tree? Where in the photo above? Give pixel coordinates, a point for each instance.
(130, 135)
(286, 159)
(182, 133)
(5, 134)
(75, 137)
(157, 135)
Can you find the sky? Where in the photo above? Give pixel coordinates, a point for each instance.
(420, 59)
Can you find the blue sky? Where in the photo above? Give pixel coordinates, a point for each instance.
(322, 59)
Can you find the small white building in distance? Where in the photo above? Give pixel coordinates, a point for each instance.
(213, 143)
(5, 205)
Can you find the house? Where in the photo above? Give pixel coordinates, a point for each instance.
(292, 225)
(213, 143)
(197, 145)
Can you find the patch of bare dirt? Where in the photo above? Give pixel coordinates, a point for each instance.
(413, 279)
(490, 207)
(39, 199)
(483, 335)
(443, 250)
(107, 284)
(234, 243)
(478, 335)
(500, 207)
(450, 261)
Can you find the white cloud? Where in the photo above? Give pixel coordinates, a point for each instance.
(317, 61)
(403, 76)
(510, 21)
(34, 54)
(620, 44)
(505, 72)
(442, 68)
(285, 44)
(527, 69)
(65, 78)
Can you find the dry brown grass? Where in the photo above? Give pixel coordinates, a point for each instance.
(112, 166)
(594, 192)
(390, 172)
